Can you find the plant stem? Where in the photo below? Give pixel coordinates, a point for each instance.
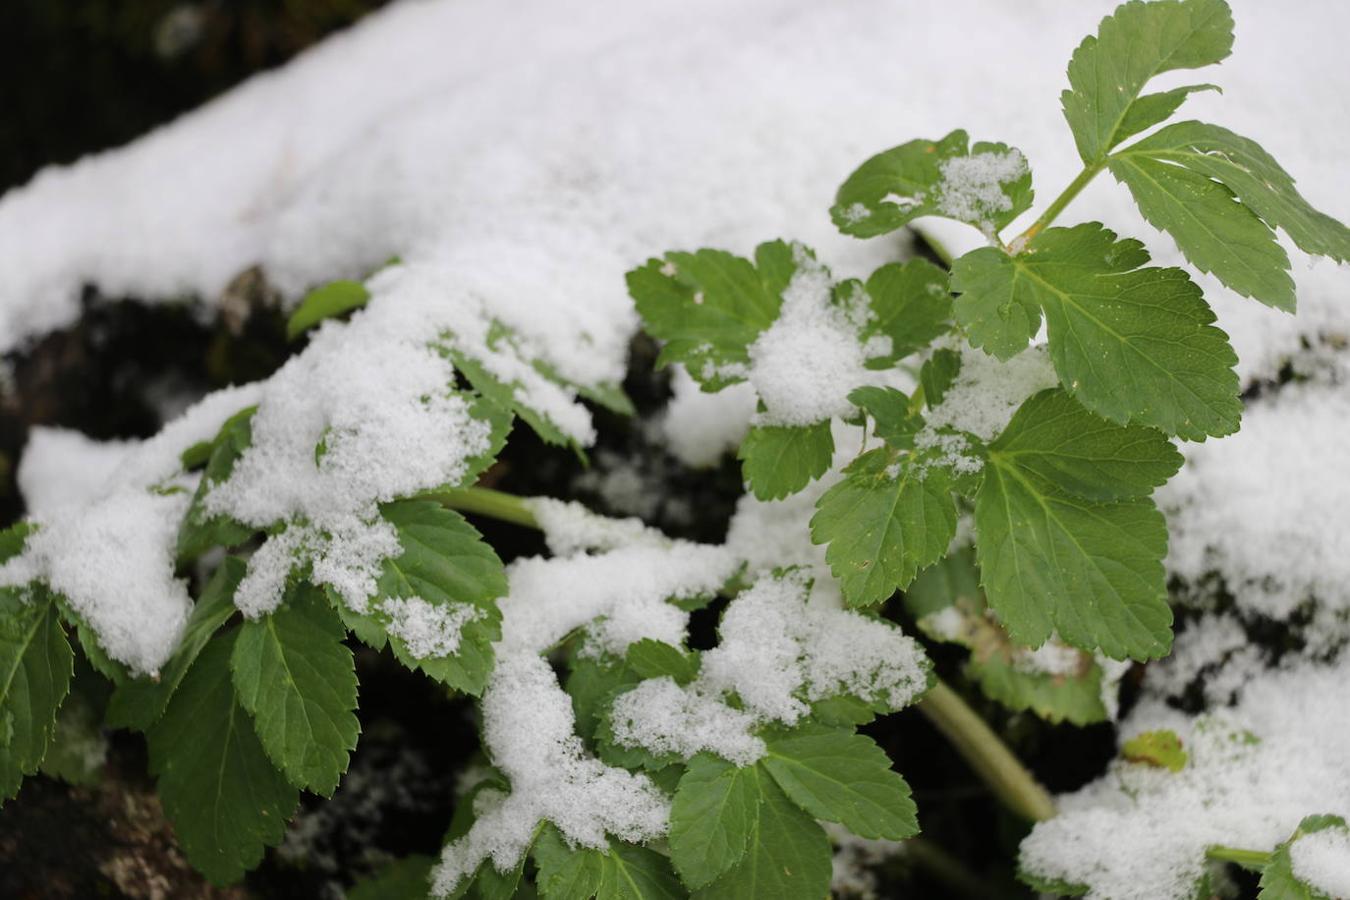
(987, 754)
(1254, 860)
(1057, 206)
(487, 502)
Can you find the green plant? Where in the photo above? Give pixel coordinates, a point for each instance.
(906, 402)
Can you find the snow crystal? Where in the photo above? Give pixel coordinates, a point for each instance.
(1322, 860)
(659, 715)
(806, 363)
(983, 397)
(570, 527)
(1254, 771)
(972, 186)
(699, 427)
(62, 467)
(427, 629)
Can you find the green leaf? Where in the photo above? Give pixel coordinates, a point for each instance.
(1075, 698)
(787, 854)
(1054, 438)
(622, 872)
(1131, 344)
(782, 459)
(298, 681)
(651, 658)
(1247, 172)
(592, 683)
(925, 178)
(1161, 749)
(911, 306)
(711, 818)
(225, 799)
(890, 411)
(1133, 44)
(951, 581)
(1091, 570)
(1278, 881)
(445, 561)
(1052, 886)
(1215, 233)
(709, 306)
(503, 395)
(408, 878)
(841, 776)
(202, 531)
(327, 302)
(937, 374)
(998, 306)
(35, 668)
(138, 703)
(883, 523)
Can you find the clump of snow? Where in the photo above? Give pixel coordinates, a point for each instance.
(782, 647)
(1205, 645)
(804, 365)
(699, 427)
(666, 719)
(972, 186)
(854, 859)
(986, 392)
(110, 548)
(1254, 771)
(428, 630)
(570, 527)
(1322, 860)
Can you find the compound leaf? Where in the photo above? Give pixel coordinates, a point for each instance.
(841, 776)
(296, 678)
(883, 523)
(1136, 42)
(226, 800)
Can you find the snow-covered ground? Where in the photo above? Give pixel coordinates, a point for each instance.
(521, 158)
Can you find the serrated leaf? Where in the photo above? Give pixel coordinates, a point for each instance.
(1161, 749)
(200, 530)
(883, 523)
(898, 185)
(1052, 886)
(937, 374)
(997, 305)
(36, 663)
(296, 678)
(709, 306)
(951, 581)
(910, 305)
(138, 703)
(327, 302)
(445, 561)
(711, 818)
(565, 873)
(1132, 45)
(1051, 561)
(408, 878)
(503, 395)
(787, 854)
(78, 748)
(1054, 438)
(1253, 176)
(841, 776)
(651, 658)
(1134, 345)
(622, 872)
(1075, 698)
(1215, 233)
(226, 800)
(892, 419)
(780, 460)
(592, 683)
(1278, 880)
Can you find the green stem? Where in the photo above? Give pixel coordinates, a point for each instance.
(487, 502)
(987, 754)
(1255, 860)
(1057, 206)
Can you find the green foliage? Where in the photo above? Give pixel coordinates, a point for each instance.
(201, 530)
(1132, 344)
(911, 306)
(403, 879)
(782, 459)
(1278, 881)
(654, 659)
(226, 800)
(1161, 749)
(295, 677)
(334, 299)
(899, 185)
(622, 872)
(35, 668)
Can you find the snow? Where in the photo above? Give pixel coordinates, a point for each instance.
(61, 467)
(971, 189)
(1322, 860)
(428, 630)
(700, 427)
(1254, 771)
